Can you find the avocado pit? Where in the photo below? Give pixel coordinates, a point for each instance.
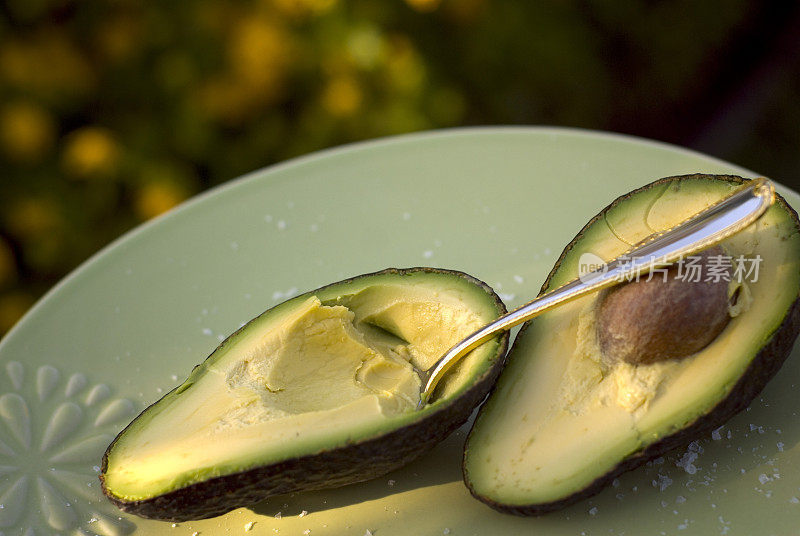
(668, 316)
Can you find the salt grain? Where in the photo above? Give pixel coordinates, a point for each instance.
(662, 482)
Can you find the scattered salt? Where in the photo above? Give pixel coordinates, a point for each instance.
(278, 515)
(406, 216)
(763, 478)
(446, 531)
(662, 482)
(249, 526)
(391, 483)
(427, 254)
(281, 225)
(794, 500)
(307, 532)
(680, 499)
(780, 446)
(303, 513)
(716, 435)
(519, 279)
(687, 462)
(593, 511)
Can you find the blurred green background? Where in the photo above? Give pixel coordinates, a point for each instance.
(112, 112)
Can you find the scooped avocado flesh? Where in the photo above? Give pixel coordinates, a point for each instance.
(563, 417)
(312, 373)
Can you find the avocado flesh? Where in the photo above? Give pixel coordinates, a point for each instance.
(562, 422)
(318, 373)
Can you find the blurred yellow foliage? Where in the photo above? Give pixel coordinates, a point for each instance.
(119, 37)
(45, 63)
(27, 131)
(424, 5)
(405, 67)
(465, 11)
(155, 198)
(12, 306)
(303, 7)
(342, 96)
(91, 152)
(366, 47)
(259, 52)
(32, 217)
(8, 268)
(258, 55)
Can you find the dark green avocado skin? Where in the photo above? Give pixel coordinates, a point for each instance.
(761, 370)
(359, 461)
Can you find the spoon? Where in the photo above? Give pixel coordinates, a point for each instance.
(708, 227)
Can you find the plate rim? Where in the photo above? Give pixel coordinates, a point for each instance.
(263, 173)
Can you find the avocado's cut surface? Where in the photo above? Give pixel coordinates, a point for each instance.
(565, 418)
(319, 391)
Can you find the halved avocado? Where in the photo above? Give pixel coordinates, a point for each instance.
(565, 419)
(316, 392)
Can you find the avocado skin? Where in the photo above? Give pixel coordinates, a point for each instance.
(761, 370)
(356, 462)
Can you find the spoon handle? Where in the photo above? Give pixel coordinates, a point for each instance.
(703, 230)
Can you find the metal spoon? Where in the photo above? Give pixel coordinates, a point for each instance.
(706, 228)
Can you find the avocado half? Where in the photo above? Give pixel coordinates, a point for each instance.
(319, 391)
(562, 422)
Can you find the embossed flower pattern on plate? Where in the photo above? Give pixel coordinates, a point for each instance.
(54, 429)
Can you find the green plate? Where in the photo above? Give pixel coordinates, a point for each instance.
(498, 203)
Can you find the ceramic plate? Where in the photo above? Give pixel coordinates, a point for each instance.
(498, 203)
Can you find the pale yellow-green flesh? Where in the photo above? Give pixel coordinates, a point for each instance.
(561, 417)
(317, 376)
